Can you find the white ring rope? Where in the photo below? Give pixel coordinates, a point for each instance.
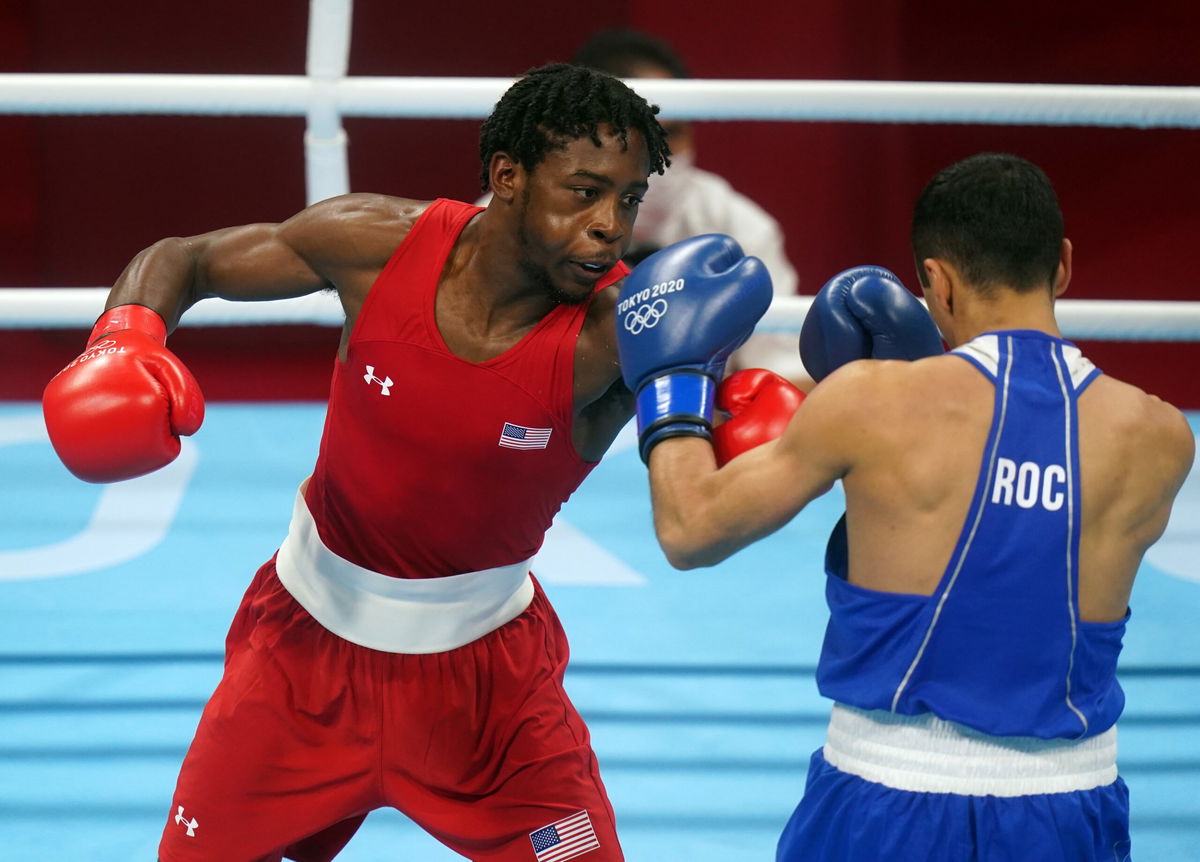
(851, 101)
(78, 308)
(324, 95)
(698, 99)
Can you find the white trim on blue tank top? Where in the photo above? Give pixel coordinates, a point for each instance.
(985, 351)
(974, 527)
(1080, 367)
(1057, 355)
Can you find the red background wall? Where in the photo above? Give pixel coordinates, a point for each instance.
(81, 195)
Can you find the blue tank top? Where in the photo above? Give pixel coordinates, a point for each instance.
(999, 646)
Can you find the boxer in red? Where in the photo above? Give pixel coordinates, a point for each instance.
(396, 651)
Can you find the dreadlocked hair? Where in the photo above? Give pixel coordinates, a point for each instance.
(554, 104)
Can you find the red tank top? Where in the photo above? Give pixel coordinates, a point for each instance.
(432, 465)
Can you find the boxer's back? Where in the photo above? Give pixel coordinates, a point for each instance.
(965, 532)
(924, 438)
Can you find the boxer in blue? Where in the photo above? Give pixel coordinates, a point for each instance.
(999, 500)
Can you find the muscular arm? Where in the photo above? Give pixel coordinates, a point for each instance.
(703, 515)
(335, 244)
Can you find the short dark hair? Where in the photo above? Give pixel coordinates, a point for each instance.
(620, 52)
(557, 103)
(995, 217)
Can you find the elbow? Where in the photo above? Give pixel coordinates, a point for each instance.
(681, 560)
(700, 558)
(684, 552)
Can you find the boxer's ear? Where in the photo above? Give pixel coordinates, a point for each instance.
(505, 176)
(938, 280)
(1062, 276)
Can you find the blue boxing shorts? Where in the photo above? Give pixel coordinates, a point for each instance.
(918, 789)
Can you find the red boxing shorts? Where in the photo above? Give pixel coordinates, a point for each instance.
(307, 732)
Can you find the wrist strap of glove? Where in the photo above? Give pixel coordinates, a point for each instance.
(678, 403)
(139, 317)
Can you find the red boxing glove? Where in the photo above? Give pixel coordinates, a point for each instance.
(118, 409)
(760, 404)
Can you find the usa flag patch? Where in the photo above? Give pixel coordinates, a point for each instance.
(565, 839)
(514, 436)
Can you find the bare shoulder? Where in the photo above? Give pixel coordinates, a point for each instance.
(1144, 422)
(366, 207)
(882, 413)
(1180, 438)
(843, 415)
(876, 391)
(354, 227)
(596, 351)
(604, 303)
(598, 340)
(602, 402)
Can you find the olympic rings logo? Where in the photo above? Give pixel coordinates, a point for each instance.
(645, 316)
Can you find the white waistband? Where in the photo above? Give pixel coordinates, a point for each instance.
(400, 615)
(925, 754)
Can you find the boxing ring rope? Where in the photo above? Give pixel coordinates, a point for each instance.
(78, 308)
(325, 94)
(1142, 107)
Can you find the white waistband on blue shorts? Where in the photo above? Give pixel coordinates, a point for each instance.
(925, 754)
(400, 615)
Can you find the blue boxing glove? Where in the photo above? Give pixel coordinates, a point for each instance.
(865, 313)
(681, 312)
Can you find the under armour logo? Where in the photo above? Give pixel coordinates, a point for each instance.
(385, 384)
(190, 824)
(645, 316)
